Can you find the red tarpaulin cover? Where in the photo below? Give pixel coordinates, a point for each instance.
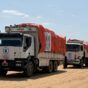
(86, 47)
(57, 42)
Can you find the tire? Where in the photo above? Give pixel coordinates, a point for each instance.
(29, 69)
(86, 64)
(49, 69)
(3, 72)
(82, 63)
(55, 66)
(65, 63)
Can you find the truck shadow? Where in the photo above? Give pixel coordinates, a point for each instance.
(21, 77)
(43, 74)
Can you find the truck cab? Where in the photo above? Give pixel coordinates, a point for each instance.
(15, 50)
(74, 53)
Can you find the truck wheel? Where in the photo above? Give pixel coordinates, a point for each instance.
(65, 63)
(29, 69)
(3, 72)
(82, 63)
(49, 69)
(86, 64)
(55, 66)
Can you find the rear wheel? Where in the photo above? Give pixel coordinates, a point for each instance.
(55, 66)
(29, 69)
(49, 69)
(65, 63)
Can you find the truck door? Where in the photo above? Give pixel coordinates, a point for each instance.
(28, 46)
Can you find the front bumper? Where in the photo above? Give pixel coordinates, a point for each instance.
(77, 61)
(13, 64)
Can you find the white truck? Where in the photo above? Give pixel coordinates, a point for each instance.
(27, 48)
(76, 53)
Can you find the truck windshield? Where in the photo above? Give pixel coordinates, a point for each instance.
(10, 42)
(72, 47)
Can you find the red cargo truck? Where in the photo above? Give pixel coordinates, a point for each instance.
(29, 47)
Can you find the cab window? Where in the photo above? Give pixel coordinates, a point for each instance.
(27, 43)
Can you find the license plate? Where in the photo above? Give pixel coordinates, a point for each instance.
(18, 64)
(76, 62)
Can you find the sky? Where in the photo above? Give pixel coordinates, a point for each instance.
(65, 17)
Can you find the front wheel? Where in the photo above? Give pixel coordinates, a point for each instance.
(82, 63)
(29, 69)
(3, 72)
(65, 63)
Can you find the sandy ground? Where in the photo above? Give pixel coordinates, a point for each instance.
(64, 78)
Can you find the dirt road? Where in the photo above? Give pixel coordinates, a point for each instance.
(68, 78)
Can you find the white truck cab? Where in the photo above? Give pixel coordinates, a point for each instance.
(16, 46)
(75, 53)
(15, 49)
